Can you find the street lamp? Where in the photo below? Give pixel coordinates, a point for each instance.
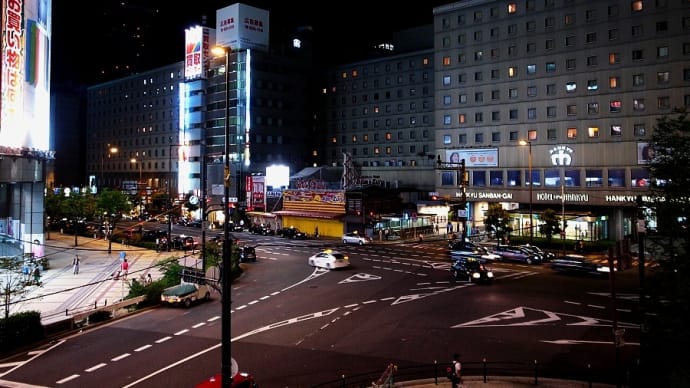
(134, 160)
(110, 150)
(226, 363)
(463, 182)
(531, 183)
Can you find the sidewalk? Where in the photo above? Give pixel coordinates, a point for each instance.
(62, 292)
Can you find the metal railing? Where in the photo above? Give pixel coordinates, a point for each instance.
(477, 370)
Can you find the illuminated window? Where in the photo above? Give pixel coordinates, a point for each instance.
(638, 104)
(532, 134)
(614, 58)
(531, 69)
(570, 87)
(592, 85)
(550, 67)
(344, 75)
(593, 108)
(636, 5)
(354, 73)
(663, 77)
(389, 150)
(446, 80)
(389, 136)
(615, 106)
(461, 118)
(446, 119)
(512, 72)
(662, 52)
(614, 82)
(446, 61)
(571, 133)
(512, 8)
(593, 131)
(616, 130)
(354, 138)
(377, 150)
(334, 140)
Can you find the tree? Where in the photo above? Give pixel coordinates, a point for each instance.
(13, 281)
(551, 224)
(77, 207)
(498, 220)
(113, 203)
(668, 288)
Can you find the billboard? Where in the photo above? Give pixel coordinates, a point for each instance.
(241, 26)
(197, 51)
(25, 104)
(479, 157)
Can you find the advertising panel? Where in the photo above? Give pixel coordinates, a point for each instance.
(25, 46)
(240, 26)
(480, 157)
(197, 51)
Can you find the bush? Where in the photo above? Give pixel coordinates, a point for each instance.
(100, 316)
(20, 329)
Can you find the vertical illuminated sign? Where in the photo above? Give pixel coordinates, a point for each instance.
(25, 46)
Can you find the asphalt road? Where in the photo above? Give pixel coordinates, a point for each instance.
(295, 326)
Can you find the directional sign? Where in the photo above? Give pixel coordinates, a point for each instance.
(360, 277)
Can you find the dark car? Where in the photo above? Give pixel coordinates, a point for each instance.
(293, 233)
(472, 270)
(262, 229)
(247, 254)
(460, 248)
(515, 253)
(186, 243)
(579, 265)
(545, 256)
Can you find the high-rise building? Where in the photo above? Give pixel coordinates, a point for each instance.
(579, 83)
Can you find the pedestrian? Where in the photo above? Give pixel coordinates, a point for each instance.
(316, 231)
(75, 264)
(457, 371)
(436, 228)
(149, 280)
(158, 245)
(123, 256)
(125, 268)
(37, 276)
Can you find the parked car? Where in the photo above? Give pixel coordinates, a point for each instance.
(183, 242)
(262, 229)
(545, 256)
(247, 254)
(472, 270)
(329, 259)
(580, 265)
(293, 233)
(355, 238)
(185, 294)
(515, 253)
(473, 250)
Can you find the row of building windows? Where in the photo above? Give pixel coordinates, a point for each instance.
(615, 131)
(589, 177)
(512, 72)
(549, 25)
(412, 149)
(387, 81)
(663, 103)
(377, 109)
(512, 8)
(388, 136)
(412, 63)
(614, 82)
(400, 121)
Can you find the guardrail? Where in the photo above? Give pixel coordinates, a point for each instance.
(70, 319)
(480, 371)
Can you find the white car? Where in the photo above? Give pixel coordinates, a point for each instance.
(355, 238)
(329, 259)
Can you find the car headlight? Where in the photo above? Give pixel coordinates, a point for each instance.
(475, 275)
(603, 269)
(489, 274)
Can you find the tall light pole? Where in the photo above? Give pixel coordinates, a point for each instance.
(463, 181)
(531, 183)
(226, 274)
(134, 161)
(109, 151)
(168, 201)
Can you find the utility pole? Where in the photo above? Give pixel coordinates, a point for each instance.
(463, 186)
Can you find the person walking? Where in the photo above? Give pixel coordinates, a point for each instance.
(75, 264)
(456, 379)
(125, 268)
(149, 280)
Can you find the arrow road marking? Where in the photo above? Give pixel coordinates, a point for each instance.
(360, 277)
(519, 315)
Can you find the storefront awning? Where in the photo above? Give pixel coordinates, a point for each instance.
(261, 214)
(306, 214)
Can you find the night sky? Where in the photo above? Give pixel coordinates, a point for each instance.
(107, 39)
